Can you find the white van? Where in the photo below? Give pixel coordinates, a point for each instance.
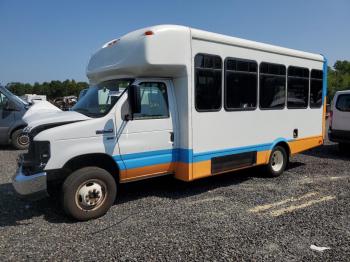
(339, 122)
(175, 100)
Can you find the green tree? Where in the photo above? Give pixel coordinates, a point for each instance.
(338, 77)
(52, 90)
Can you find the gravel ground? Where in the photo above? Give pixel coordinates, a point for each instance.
(238, 216)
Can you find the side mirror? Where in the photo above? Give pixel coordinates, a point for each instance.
(134, 102)
(10, 106)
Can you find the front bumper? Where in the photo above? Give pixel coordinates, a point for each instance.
(31, 186)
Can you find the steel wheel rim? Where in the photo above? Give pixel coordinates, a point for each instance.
(277, 161)
(23, 140)
(91, 195)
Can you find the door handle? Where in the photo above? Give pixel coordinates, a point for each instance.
(172, 136)
(104, 131)
(295, 133)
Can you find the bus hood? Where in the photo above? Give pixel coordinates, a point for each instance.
(48, 115)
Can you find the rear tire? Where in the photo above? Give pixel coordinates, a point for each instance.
(88, 193)
(278, 162)
(19, 139)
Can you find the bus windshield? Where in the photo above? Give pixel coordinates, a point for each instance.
(99, 99)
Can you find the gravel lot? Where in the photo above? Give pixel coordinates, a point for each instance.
(238, 216)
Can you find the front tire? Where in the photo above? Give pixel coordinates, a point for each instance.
(278, 162)
(88, 193)
(20, 140)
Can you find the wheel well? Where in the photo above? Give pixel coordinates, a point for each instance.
(15, 129)
(99, 160)
(285, 146)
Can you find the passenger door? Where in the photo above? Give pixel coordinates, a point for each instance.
(146, 142)
(6, 119)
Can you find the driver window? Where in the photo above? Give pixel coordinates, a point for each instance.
(103, 97)
(3, 100)
(154, 101)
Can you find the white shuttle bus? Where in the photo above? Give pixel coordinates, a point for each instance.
(174, 100)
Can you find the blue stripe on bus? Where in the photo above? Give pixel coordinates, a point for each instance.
(150, 158)
(325, 72)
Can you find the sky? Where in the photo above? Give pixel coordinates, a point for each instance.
(43, 40)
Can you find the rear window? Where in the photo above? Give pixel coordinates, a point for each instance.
(316, 88)
(343, 103)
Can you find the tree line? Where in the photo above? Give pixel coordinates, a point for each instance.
(52, 90)
(338, 79)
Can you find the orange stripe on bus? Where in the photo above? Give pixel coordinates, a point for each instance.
(303, 144)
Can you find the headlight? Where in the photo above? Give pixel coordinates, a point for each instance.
(37, 157)
(42, 151)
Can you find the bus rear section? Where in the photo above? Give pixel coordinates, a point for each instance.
(250, 100)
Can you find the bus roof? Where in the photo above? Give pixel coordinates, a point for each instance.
(165, 50)
(235, 41)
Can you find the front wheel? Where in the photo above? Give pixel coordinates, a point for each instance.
(278, 161)
(19, 139)
(88, 193)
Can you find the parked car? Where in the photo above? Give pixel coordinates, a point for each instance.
(12, 108)
(339, 124)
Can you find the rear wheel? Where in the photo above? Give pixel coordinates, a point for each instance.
(19, 139)
(278, 161)
(88, 193)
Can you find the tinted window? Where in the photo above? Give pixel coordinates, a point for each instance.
(3, 100)
(316, 87)
(272, 86)
(343, 103)
(298, 87)
(208, 71)
(153, 100)
(241, 77)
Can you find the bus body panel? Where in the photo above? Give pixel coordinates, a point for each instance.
(223, 133)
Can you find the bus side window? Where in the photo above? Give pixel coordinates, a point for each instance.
(272, 86)
(298, 87)
(208, 74)
(241, 83)
(316, 88)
